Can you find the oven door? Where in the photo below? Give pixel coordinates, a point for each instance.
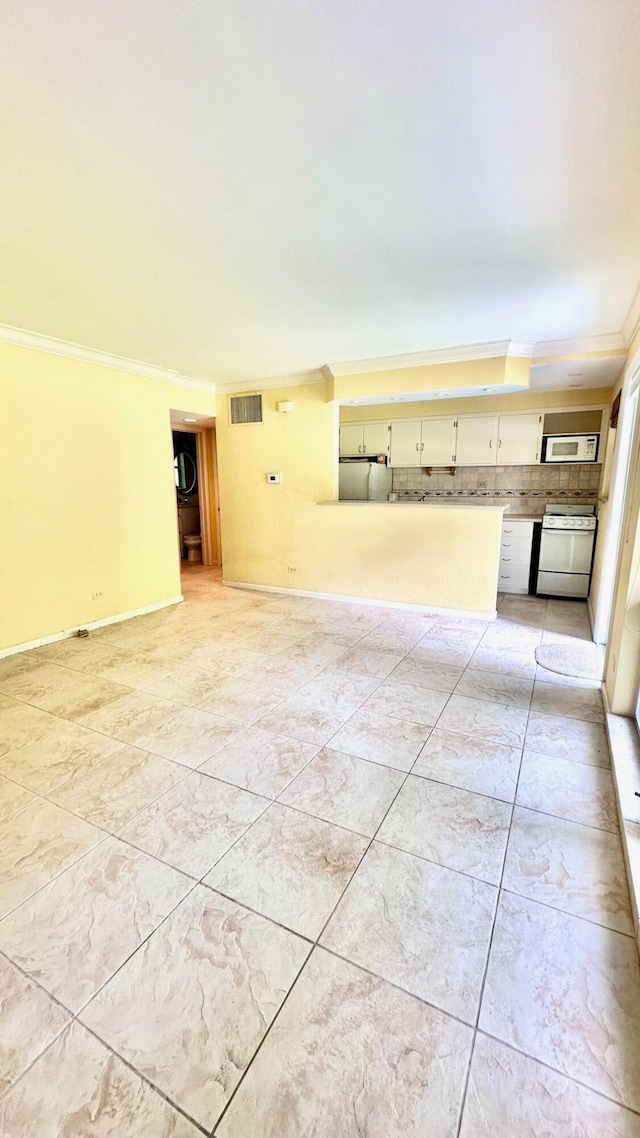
(565, 551)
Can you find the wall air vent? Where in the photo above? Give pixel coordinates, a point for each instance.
(245, 409)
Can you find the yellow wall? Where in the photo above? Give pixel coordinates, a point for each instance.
(477, 405)
(278, 534)
(88, 497)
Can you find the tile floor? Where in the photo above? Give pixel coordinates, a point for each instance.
(282, 868)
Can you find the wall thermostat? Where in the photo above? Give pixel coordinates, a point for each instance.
(274, 478)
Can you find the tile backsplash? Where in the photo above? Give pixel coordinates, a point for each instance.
(522, 489)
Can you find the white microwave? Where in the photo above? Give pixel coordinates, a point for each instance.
(570, 448)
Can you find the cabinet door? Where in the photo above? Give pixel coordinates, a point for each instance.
(376, 438)
(477, 441)
(438, 442)
(519, 438)
(351, 439)
(405, 444)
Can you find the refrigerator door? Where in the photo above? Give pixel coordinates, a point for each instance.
(353, 481)
(379, 482)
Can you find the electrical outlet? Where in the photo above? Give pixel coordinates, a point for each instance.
(97, 595)
(292, 568)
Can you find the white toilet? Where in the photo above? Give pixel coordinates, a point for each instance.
(193, 545)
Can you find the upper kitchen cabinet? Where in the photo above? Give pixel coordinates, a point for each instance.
(519, 439)
(406, 441)
(477, 442)
(376, 438)
(438, 445)
(364, 438)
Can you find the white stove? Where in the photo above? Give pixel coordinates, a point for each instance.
(566, 551)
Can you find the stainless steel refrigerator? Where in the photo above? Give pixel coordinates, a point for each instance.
(364, 481)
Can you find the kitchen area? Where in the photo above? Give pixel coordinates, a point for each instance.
(542, 468)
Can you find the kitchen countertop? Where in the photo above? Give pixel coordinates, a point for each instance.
(441, 505)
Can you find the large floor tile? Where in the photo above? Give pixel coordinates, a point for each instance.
(493, 722)
(12, 798)
(350, 1056)
(512, 1096)
(290, 867)
(194, 823)
(568, 789)
(454, 827)
(37, 844)
(124, 783)
(32, 680)
(566, 992)
(82, 698)
(404, 701)
(261, 761)
(570, 702)
(79, 1088)
(423, 673)
(471, 764)
(73, 934)
(513, 661)
(242, 701)
(345, 790)
(46, 763)
(496, 687)
(419, 925)
(452, 650)
(191, 1006)
(134, 714)
(29, 1021)
(368, 661)
(189, 738)
(568, 739)
(381, 739)
(572, 867)
(20, 723)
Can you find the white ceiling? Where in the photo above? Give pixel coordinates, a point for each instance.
(576, 373)
(240, 189)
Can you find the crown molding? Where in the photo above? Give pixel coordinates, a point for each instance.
(608, 342)
(462, 352)
(631, 323)
(298, 379)
(21, 338)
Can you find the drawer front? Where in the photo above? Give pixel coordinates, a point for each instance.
(522, 544)
(512, 557)
(517, 574)
(517, 530)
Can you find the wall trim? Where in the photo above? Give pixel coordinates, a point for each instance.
(607, 342)
(298, 379)
(13, 649)
(21, 338)
(407, 605)
(485, 351)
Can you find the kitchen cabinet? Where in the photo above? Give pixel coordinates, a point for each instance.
(515, 557)
(364, 438)
(375, 438)
(477, 440)
(519, 439)
(438, 442)
(406, 441)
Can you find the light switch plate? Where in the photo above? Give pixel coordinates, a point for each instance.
(273, 478)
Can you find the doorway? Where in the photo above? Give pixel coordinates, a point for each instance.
(196, 485)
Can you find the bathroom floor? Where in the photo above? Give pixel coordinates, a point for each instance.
(273, 867)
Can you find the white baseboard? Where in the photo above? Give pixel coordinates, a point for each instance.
(405, 605)
(28, 644)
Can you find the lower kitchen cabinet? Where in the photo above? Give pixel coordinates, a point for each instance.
(515, 556)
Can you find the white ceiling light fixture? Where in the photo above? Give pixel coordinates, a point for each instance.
(189, 420)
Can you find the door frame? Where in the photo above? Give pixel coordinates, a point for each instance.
(208, 496)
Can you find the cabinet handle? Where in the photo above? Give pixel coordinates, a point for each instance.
(507, 545)
(490, 443)
(499, 442)
(417, 446)
(421, 446)
(506, 559)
